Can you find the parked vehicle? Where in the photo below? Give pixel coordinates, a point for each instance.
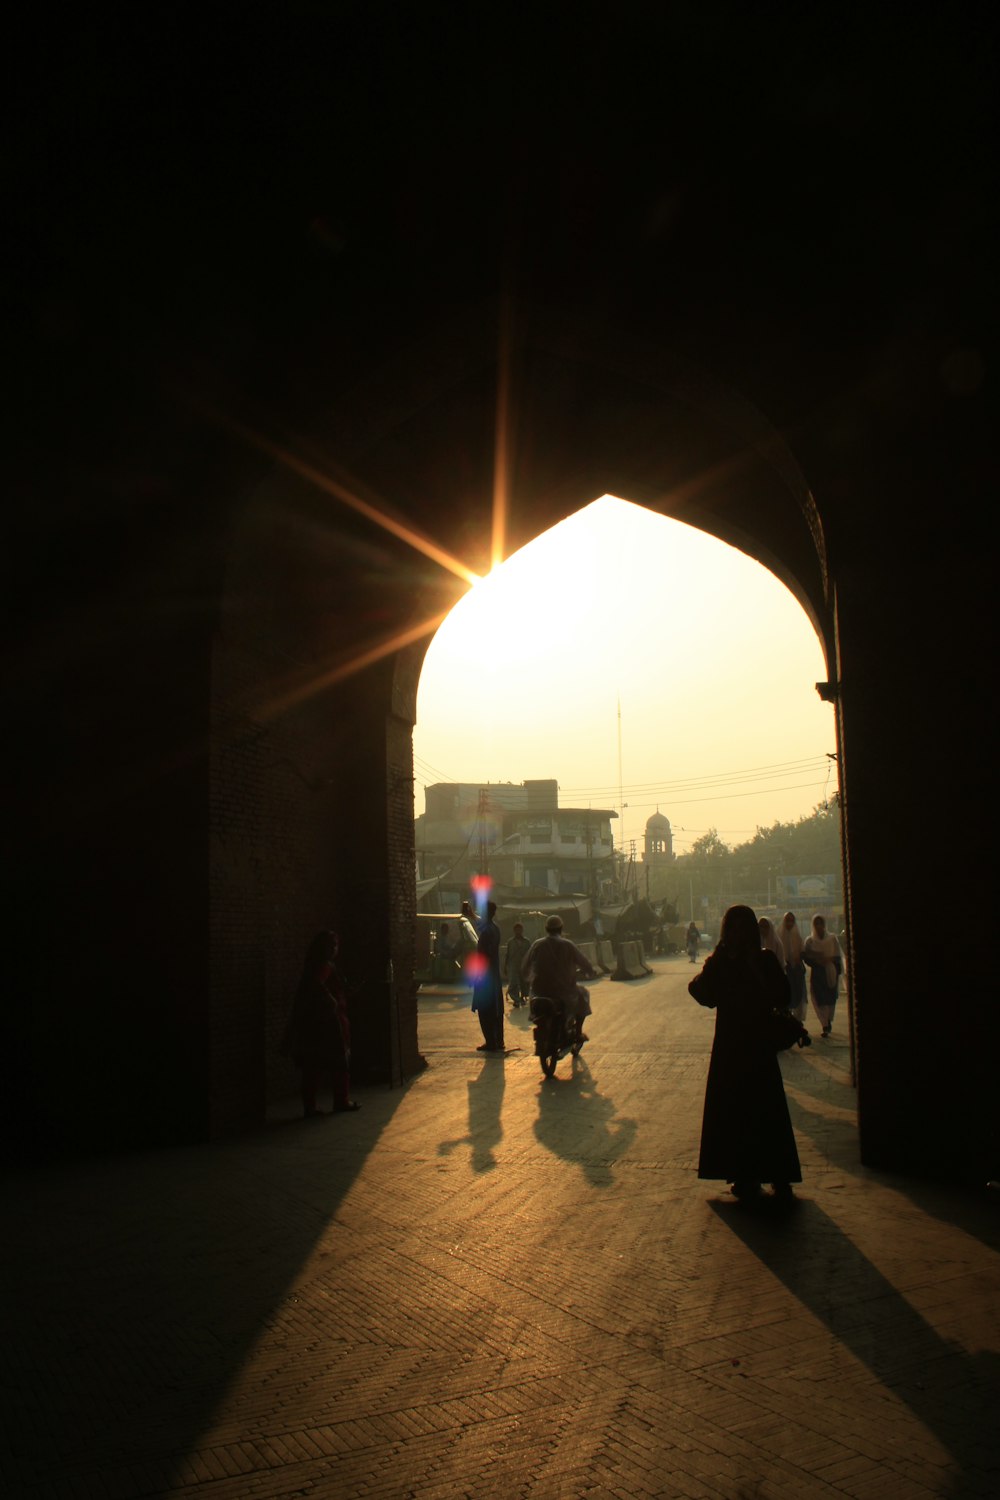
(440, 957)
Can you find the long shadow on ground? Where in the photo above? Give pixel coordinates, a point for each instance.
(137, 1288)
(580, 1124)
(952, 1393)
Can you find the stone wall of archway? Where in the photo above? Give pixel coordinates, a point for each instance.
(589, 419)
(308, 822)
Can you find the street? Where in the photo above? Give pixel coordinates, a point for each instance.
(490, 1284)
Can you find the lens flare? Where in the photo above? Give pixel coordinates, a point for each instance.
(481, 887)
(501, 447)
(475, 967)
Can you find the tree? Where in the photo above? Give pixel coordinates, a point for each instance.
(704, 872)
(709, 847)
(750, 871)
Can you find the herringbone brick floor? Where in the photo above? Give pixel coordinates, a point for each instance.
(486, 1284)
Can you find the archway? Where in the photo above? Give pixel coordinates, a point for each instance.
(872, 381)
(593, 415)
(710, 663)
(339, 555)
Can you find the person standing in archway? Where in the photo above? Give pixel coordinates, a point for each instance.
(318, 1031)
(746, 1133)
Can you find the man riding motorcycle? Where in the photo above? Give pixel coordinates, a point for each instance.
(551, 966)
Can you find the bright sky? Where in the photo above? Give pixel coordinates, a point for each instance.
(712, 659)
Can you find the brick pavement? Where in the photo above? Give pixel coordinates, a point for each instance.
(485, 1284)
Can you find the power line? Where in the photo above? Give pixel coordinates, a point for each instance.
(665, 789)
(424, 767)
(762, 791)
(721, 778)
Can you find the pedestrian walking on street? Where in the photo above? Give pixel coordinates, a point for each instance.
(691, 942)
(821, 952)
(769, 939)
(746, 1133)
(795, 970)
(514, 955)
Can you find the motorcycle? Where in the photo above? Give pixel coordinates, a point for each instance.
(554, 1032)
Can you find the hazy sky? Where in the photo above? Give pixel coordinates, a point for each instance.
(713, 661)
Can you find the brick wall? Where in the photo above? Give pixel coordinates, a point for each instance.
(310, 817)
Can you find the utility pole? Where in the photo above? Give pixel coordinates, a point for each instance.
(483, 849)
(621, 793)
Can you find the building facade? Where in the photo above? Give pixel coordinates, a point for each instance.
(517, 834)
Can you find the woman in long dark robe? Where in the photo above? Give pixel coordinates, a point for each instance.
(746, 1134)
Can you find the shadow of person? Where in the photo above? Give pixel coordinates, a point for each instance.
(578, 1123)
(485, 1130)
(162, 1271)
(833, 1129)
(804, 1070)
(950, 1391)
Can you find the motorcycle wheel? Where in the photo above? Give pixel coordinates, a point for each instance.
(548, 1052)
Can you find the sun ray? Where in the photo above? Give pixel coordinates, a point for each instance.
(313, 475)
(501, 454)
(367, 657)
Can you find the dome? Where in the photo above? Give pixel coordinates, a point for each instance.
(658, 821)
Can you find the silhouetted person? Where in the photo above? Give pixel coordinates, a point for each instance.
(746, 1133)
(446, 963)
(821, 952)
(691, 938)
(551, 967)
(513, 957)
(447, 941)
(487, 986)
(795, 970)
(318, 1033)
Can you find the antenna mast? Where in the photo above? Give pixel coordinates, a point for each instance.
(621, 799)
